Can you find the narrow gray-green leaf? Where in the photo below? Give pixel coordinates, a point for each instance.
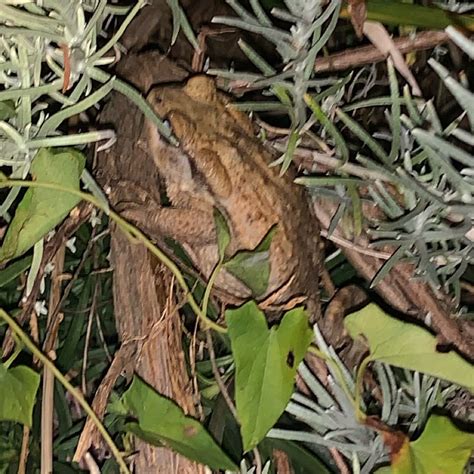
(443, 146)
(395, 114)
(464, 97)
(357, 130)
(341, 146)
(7, 109)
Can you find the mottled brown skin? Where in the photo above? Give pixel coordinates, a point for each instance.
(220, 164)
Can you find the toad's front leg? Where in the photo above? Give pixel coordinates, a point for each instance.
(190, 226)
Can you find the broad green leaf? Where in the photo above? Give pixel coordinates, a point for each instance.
(42, 209)
(406, 345)
(266, 361)
(441, 449)
(252, 267)
(303, 460)
(160, 421)
(18, 387)
(223, 233)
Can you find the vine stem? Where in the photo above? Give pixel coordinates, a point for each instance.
(47, 363)
(133, 233)
(359, 386)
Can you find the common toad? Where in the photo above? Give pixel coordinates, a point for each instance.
(221, 164)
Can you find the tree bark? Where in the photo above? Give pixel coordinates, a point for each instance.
(145, 308)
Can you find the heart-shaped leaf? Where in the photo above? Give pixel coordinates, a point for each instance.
(405, 345)
(18, 387)
(161, 422)
(442, 449)
(266, 361)
(42, 209)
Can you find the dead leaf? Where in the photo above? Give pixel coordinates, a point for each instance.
(358, 12)
(379, 37)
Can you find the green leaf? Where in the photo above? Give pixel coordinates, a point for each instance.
(161, 422)
(365, 137)
(7, 109)
(301, 459)
(223, 233)
(293, 142)
(252, 267)
(14, 270)
(341, 146)
(441, 449)
(396, 12)
(406, 345)
(18, 387)
(42, 209)
(266, 361)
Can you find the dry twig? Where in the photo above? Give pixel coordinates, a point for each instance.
(354, 57)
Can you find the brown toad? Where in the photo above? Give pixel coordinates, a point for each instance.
(220, 164)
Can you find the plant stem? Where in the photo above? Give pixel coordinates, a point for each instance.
(132, 233)
(360, 415)
(24, 338)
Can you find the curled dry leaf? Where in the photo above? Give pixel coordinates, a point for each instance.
(379, 37)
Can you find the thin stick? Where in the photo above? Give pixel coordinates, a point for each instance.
(47, 401)
(85, 353)
(335, 163)
(25, 450)
(339, 460)
(354, 57)
(100, 332)
(258, 461)
(341, 242)
(55, 310)
(217, 375)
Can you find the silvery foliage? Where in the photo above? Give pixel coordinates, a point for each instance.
(430, 224)
(330, 415)
(51, 56)
(456, 6)
(310, 26)
(434, 228)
